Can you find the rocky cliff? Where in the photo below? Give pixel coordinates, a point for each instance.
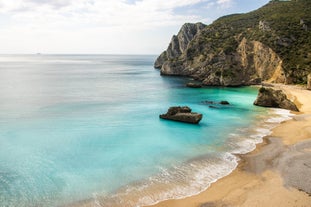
(179, 43)
(271, 44)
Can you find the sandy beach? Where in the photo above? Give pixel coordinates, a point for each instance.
(277, 173)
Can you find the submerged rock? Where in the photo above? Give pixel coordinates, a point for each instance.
(224, 103)
(269, 97)
(215, 103)
(182, 114)
(193, 85)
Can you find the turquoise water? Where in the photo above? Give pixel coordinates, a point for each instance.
(76, 127)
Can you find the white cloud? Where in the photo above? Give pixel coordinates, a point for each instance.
(225, 3)
(104, 25)
(101, 13)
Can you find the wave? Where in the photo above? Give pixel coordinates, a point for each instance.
(196, 175)
(180, 181)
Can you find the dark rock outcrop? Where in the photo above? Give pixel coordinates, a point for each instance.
(224, 103)
(182, 114)
(270, 97)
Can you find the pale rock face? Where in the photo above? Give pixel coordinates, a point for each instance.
(263, 25)
(262, 60)
(187, 33)
(179, 43)
(309, 82)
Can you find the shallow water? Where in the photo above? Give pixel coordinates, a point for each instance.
(74, 127)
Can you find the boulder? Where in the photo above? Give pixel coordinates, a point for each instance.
(309, 82)
(182, 114)
(270, 97)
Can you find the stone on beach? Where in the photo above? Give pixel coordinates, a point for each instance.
(269, 97)
(182, 114)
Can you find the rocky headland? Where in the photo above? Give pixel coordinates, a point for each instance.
(271, 44)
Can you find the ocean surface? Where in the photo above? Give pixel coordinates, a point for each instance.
(86, 128)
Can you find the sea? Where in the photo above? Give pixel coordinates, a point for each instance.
(85, 129)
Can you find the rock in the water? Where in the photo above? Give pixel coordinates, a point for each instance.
(309, 82)
(224, 102)
(194, 85)
(269, 97)
(182, 114)
(208, 102)
(214, 103)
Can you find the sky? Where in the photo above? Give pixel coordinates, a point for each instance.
(104, 26)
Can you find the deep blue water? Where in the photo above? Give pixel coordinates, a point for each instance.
(76, 127)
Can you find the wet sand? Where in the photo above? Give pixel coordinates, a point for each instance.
(277, 173)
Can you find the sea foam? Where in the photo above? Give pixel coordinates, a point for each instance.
(196, 175)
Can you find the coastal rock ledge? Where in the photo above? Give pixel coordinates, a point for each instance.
(269, 97)
(182, 114)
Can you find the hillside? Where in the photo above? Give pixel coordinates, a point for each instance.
(271, 44)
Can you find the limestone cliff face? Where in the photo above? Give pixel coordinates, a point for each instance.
(179, 43)
(261, 61)
(250, 63)
(268, 45)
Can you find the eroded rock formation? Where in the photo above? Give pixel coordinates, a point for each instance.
(270, 97)
(182, 114)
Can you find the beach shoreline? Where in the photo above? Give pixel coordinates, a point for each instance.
(275, 169)
(263, 172)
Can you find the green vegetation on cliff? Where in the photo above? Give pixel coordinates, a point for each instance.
(234, 45)
(284, 26)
